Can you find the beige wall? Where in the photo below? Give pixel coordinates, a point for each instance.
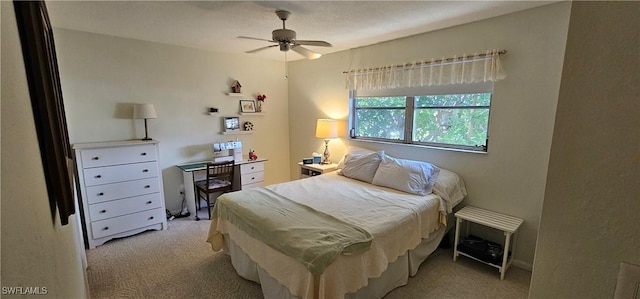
(582, 224)
(590, 219)
(102, 75)
(36, 251)
(511, 177)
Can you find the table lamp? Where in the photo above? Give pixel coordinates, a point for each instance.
(144, 111)
(326, 129)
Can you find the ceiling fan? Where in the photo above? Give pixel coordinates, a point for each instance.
(286, 39)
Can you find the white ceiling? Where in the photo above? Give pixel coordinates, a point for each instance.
(215, 25)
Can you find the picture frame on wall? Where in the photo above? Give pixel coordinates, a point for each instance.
(231, 124)
(247, 106)
(43, 79)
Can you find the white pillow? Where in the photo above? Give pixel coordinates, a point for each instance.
(354, 150)
(406, 175)
(450, 187)
(361, 166)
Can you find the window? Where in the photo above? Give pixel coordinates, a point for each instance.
(380, 117)
(445, 116)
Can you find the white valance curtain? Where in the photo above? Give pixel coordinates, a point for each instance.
(475, 68)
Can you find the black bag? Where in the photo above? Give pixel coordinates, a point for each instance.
(482, 249)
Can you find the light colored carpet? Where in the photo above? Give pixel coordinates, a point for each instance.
(178, 263)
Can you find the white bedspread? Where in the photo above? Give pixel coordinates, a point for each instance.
(398, 221)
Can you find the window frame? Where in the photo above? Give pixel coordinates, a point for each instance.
(409, 94)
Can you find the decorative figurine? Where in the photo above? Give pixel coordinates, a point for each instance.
(235, 87)
(252, 155)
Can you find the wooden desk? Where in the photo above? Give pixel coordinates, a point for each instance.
(247, 174)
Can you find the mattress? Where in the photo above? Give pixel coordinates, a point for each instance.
(398, 222)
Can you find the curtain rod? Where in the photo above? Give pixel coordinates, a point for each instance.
(501, 52)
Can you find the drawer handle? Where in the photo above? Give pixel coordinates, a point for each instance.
(101, 194)
(98, 176)
(252, 178)
(151, 218)
(95, 158)
(149, 202)
(145, 170)
(143, 154)
(252, 167)
(106, 228)
(103, 211)
(147, 187)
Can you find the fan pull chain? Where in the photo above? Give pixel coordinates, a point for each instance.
(286, 67)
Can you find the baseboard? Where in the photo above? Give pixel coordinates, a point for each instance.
(522, 265)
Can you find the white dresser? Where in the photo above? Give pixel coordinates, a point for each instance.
(120, 186)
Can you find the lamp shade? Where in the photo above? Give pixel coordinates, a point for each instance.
(326, 128)
(144, 111)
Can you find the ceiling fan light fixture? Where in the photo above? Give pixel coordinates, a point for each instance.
(287, 40)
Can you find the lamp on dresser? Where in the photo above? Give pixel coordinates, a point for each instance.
(326, 129)
(144, 111)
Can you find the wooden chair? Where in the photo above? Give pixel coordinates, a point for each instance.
(219, 179)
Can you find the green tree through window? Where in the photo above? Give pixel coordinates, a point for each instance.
(381, 117)
(446, 120)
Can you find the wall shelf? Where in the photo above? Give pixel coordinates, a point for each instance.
(214, 113)
(237, 132)
(234, 94)
(251, 113)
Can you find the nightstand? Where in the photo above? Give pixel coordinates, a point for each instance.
(505, 223)
(309, 170)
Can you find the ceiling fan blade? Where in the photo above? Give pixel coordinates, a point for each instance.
(260, 49)
(305, 52)
(255, 38)
(319, 43)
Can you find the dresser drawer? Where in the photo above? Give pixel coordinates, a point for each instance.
(118, 155)
(101, 193)
(251, 178)
(251, 167)
(120, 173)
(107, 227)
(252, 185)
(125, 206)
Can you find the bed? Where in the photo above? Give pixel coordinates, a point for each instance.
(404, 228)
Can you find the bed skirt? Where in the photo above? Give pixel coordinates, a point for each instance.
(396, 274)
